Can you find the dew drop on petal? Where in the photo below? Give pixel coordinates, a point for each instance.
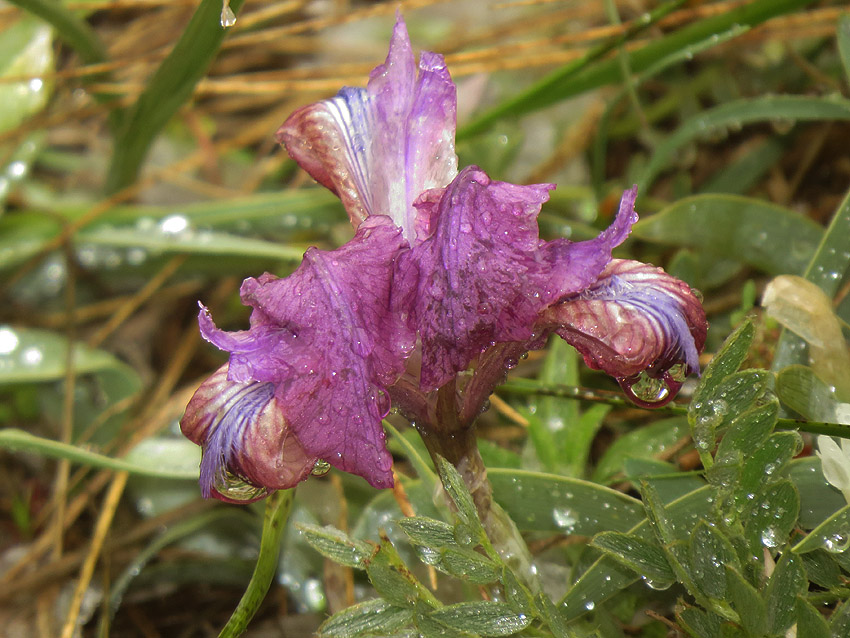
(320, 468)
(237, 489)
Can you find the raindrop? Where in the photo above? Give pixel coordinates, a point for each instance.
(32, 356)
(564, 519)
(589, 605)
(237, 489)
(320, 468)
(770, 537)
(174, 224)
(8, 340)
(228, 18)
(837, 543)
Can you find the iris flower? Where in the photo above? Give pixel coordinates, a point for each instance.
(446, 271)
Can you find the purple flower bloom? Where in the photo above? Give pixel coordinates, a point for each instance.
(446, 265)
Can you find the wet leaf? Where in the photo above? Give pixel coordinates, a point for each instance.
(373, 617)
(643, 556)
(486, 618)
(786, 583)
(337, 545)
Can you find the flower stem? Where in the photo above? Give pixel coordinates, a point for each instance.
(278, 506)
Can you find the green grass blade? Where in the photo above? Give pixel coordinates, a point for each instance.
(582, 76)
(170, 87)
(843, 33)
(278, 506)
(75, 32)
(740, 112)
(18, 440)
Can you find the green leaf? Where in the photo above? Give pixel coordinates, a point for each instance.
(665, 478)
(737, 113)
(549, 503)
(467, 564)
(393, 580)
(578, 78)
(373, 617)
(643, 556)
(747, 432)
(709, 552)
(27, 50)
(186, 467)
(458, 492)
(772, 516)
(842, 33)
(833, 534)
(169, 88)
(71, 29)
(699, 623)
(728, 359)
(822, 568)
(840, 621)
(768, 237)
(646, 442)
(764, 463)
(517, 595)
(818, 499)
(734, 395)
(486, 618)
(810, 623)
(657, 514)
(428, 532)
(747, 602)
(337, 545)
(786, 583)
(801, 390)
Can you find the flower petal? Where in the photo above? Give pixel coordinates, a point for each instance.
(478, 278)
(379, 148)
(325, 337)
(835, 463)
(635, 318)
(243, 434)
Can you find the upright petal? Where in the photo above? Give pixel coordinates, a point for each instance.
(325, 338)
(478, 278)
(634, 319)
(244, 438)
(378, 148)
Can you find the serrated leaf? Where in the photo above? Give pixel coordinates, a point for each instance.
(727, 360)
(786, 583)
(809, 622)
(772, 516)
(486, 618)
(337, 545)
(428, 532)
(643, 556)
(710, 552)
(747, 602)
(373, 617)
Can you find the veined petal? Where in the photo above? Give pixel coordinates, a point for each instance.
(477, 279)
(634, 319)
(326, 339)
(378, 148)
(244, 436)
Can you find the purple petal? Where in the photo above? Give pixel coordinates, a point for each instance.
(579, 263)
(243, 434)
(325, 337)
(477, 279)
(634, 319)
(379, 148)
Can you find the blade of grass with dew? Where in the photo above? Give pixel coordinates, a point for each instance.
(20, 441)
(773, 239)
(171, 86)
(735, 114)
(583, 76)
(828, 269)
(278, 506)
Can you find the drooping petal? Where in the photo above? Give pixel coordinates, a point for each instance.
(326, 339)
(634, 319)
(244, 436)
(378, 148)
(478, 279)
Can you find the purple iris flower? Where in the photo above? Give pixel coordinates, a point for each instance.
(446, 270)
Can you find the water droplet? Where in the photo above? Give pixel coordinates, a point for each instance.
(320, 468)
(237, 489)
(837, 543)
(32, 356)
(174, 224)
(228, 18)
(8, 340)
(770, 537)
(564, 519)
(589, 605)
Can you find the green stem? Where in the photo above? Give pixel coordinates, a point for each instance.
(278, 506)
